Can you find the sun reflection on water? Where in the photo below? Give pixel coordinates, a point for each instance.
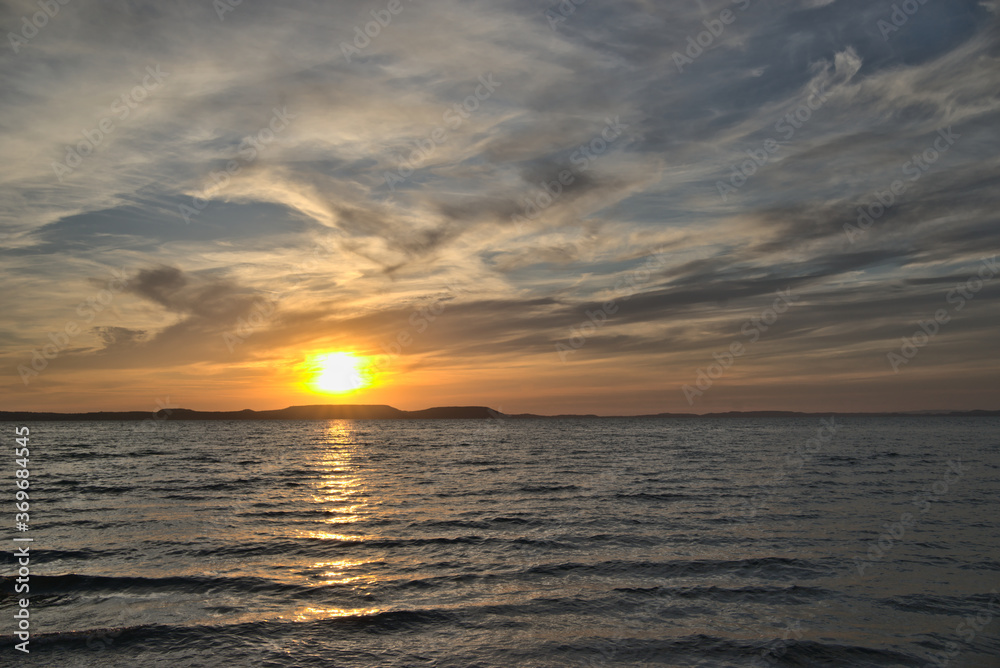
(336, 572)
(311, 614)
(342, 490)
(341, 493)
(345, 537)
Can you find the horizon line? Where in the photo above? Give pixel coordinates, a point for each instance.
(456, 412)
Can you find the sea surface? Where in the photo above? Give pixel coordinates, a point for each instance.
(501, 542)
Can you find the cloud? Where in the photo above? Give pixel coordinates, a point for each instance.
(309, 213)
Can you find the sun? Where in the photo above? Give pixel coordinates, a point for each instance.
(340, 372)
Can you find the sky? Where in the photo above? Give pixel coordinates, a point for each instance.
(595, 207)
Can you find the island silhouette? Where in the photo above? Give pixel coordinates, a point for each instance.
(383, 412)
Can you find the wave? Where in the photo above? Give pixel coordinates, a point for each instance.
(265, 640)
(76, 586)
(708, 650)
(763, 567)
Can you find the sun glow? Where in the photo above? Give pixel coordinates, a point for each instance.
(339, 373)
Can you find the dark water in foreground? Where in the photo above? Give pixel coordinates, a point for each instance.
(512, 543)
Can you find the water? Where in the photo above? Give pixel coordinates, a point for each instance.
(513, 543)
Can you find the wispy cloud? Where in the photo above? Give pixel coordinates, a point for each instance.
(479, 210)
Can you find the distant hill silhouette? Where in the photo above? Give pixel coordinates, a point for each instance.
(381, 412)
(318, 412)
